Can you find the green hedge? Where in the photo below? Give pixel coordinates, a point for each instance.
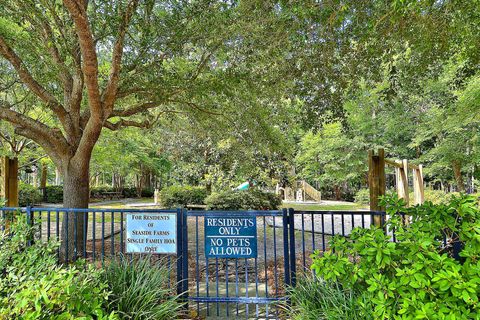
(175, 196)
(251, 199)
(54, 194)
(28, 195)
(147, 193)
(129, 192)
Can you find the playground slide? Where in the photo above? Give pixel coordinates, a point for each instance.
(243, 186)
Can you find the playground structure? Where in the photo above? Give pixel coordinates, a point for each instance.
(377, 185)
(302, 192)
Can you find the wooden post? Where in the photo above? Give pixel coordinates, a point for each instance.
(401, 173)
(376, 182)
(9, 181)
(9, 184)
(418, 188)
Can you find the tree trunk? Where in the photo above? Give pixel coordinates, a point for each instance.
(338, 192)
(43, 179)
(457, 172)
(75, 195)
(58, 178)
(35, 177)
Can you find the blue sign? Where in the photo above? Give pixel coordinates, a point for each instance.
(151, 233)
(230, 237)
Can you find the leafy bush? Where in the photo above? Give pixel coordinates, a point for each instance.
(362, 196)
(54, 194)
(243, 199)
(96, 192)
(139, 290)
(33, 286)
(436, 196)
(28, 195)
(129, 192)
(415, 277)
(147, 193)
(314, 299)
(175, 196)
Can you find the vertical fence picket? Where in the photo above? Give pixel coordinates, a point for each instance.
(293, 259)
(179, 252)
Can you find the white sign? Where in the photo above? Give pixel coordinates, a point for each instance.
(151, 233)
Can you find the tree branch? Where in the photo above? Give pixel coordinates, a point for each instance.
(110, 92)
(44, 135)
(196, 107)
(7, 52)
(134, 109)
(126, 123)
(203, 62)
(78, 12)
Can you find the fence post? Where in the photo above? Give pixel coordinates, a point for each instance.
(286, 255)
(376, 182)
(185, 256)
(179, 252)
(30, 221)
(293, 261)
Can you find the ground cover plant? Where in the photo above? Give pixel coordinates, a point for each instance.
(140, 290)
(313, 299)
(417, 276)
(34, 286)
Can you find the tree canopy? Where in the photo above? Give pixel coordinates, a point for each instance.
(217, 93)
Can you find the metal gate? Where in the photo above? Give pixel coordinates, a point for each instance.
(246, 287)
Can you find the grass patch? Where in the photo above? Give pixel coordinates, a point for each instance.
(314, 299)
(326, 207)
(139, 290)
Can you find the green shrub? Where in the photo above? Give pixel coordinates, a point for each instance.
(139, 290)
(54, 194)
(96, 192)
(129, 192)
(315, 299)
(175, 196)
(243, 199)
(147, 193)
(415, 277)
(436, 196)
(362, 196)
(28, 195)
(33, 286)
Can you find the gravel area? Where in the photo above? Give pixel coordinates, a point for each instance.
(98, 230)
(328, 224)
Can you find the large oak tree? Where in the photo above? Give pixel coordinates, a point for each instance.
(100, 64)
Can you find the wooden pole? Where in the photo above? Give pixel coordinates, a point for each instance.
(418, 188)
(9, 181)
(402, 181)
(9, 185)
(376, 182)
